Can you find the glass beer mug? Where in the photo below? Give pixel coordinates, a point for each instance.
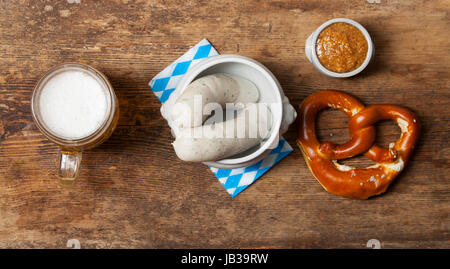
(74, 105)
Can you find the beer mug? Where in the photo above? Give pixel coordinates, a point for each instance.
(74, 106)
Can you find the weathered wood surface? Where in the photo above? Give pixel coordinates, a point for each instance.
(133, 192)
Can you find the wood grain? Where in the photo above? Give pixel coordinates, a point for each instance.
(134, 193)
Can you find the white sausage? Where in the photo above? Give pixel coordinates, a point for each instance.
(218, 88)
(209, 147)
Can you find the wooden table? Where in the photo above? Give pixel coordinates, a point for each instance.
(134, 193)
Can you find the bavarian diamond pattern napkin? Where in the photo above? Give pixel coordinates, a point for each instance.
(233, 180)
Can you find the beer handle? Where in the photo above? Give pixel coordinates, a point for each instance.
(69, 167)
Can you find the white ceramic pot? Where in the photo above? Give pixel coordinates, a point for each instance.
(310, 49)
(270, 92)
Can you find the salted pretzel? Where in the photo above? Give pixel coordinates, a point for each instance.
(322, 158)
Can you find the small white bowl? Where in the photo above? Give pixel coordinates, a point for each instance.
(310, 49)
(270, 92)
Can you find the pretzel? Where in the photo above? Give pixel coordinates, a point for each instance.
(322, 158)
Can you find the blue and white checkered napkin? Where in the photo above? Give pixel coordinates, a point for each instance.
(163, 84)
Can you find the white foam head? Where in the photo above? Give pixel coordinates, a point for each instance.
(74, 104)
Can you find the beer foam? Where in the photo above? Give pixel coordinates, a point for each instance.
(73, 104)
